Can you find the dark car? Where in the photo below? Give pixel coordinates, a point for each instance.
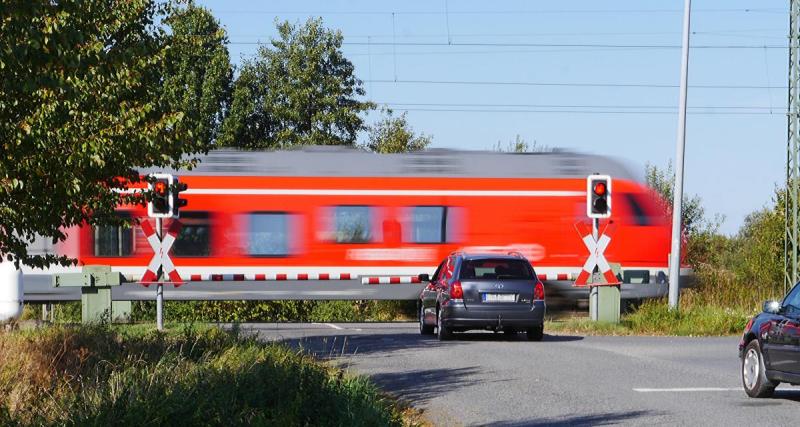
(491, 292)
(770, 346)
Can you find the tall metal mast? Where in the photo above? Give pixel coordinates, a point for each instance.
(793, 152)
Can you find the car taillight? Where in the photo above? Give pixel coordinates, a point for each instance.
(746, 330)
(538, 291)
(749, 324)
(456, 291)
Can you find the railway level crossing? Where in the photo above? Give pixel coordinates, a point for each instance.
(96, 282)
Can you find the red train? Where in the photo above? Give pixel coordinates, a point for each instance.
(323, 213)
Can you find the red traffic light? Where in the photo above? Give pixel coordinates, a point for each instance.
(160, 188)
(600, 188)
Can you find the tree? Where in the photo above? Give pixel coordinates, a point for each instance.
(79, 109)
(692, 210)
(519, 145)
(704, 243)
(197, 72)
(299, 90)
(395, 135)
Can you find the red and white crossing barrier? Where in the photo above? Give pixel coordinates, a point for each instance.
(556, 277)
(161, 253)
(269, 277)
(389, 280)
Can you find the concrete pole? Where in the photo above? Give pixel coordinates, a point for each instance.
(677, 194)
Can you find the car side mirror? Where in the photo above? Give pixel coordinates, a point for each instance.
(424, 277)
(772, 307)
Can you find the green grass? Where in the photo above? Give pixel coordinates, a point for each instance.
(101, 375)
(655, 318)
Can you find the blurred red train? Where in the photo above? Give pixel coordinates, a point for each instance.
(330, 213)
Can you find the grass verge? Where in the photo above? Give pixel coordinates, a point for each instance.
(654, 317)
(132, 375)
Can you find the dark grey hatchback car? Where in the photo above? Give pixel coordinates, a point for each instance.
(490, 292)
(770, 346)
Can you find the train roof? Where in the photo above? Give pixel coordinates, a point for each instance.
(344, 161)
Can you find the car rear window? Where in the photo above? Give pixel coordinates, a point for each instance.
(489, 269)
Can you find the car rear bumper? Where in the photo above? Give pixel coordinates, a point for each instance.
(458, 316)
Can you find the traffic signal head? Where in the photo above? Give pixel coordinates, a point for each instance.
(598, 196)
(161, 201)
(179, 203)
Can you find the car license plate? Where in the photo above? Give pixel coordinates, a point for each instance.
(499, 297)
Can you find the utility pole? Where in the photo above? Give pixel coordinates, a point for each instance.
(677, 193)
(792, 223)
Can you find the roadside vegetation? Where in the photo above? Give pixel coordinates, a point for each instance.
(249, 311)
(734, 274)
(133, 375)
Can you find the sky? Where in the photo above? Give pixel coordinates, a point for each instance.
(597, 77)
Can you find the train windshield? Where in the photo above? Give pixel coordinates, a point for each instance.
(492, 269)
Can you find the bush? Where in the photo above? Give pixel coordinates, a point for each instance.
(277, 311)
(134, 376)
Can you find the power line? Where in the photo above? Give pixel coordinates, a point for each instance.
(557, 45)
(776, 33)
(671, 113)
(503, 12)
(574, 84)
(433, 104)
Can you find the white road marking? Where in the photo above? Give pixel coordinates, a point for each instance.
(330, 325)
(684, 390)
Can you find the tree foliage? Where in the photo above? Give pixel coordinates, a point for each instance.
(519, 145)
(300, 89)
(197, 71)
(395, 135)
(80, 85)
(662, 181)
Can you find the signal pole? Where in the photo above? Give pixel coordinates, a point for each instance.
(160, 284)
(677, 193)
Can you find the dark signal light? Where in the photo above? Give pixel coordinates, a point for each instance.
(179, 202)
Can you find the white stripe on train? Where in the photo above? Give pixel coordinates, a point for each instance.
(354, 192)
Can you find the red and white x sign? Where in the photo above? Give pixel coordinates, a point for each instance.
(161, 253)
(596, 259)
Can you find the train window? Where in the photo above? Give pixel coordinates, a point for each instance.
(353, 224)
(194, 239)
(113, 240)
(428, 224)
(638, 214)
(268, 234)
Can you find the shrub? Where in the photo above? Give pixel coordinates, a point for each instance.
(96, 375)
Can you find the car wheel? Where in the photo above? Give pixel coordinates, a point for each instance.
(536, 333)
(423, 328)
(754, 375)
(442, 332)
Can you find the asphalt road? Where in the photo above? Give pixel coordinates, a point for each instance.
(488, 379)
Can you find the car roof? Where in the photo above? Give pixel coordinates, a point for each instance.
(471, 256)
